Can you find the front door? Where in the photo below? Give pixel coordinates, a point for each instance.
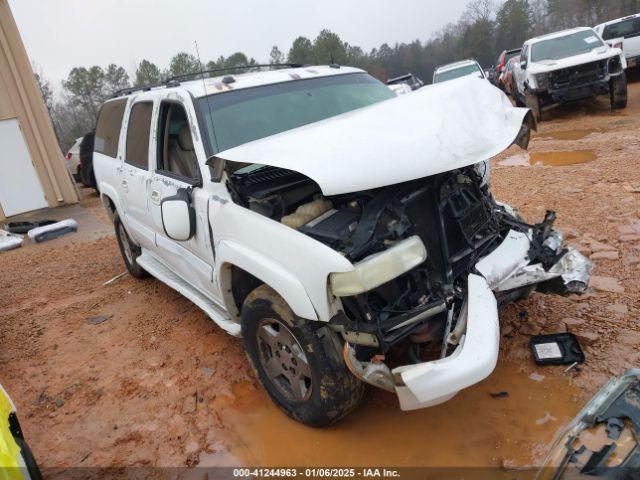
(177, 167)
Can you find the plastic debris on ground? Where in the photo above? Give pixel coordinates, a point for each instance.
(9, 241)
(23, 227)
(54, 230)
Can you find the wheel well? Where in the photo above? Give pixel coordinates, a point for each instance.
(109, 206)
(237, 285)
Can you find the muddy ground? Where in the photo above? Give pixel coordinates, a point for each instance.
(157, 384)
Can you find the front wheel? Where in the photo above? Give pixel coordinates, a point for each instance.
(532, 102)
(618, 91)
(297, 361)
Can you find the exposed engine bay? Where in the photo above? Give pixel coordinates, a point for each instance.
(414, 317)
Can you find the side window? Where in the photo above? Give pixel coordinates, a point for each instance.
(138, 135)
(108, 127)
(176, 155)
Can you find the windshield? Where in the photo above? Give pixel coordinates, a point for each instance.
(626, 28)
(567, 46)
(241, 116)
(456, 73)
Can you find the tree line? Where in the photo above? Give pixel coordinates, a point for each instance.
(482, 32)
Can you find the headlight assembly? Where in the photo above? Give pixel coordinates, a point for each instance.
(379, 268)
(542, 80)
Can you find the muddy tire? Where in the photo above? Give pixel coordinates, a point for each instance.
(299, 362)
(618, 91)
(516, 95)
(532, 101)
(128, 249)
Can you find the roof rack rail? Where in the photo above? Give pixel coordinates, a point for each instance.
(175, 80)
(130, 90)
(186, 76)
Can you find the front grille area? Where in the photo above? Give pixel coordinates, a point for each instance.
(579, 75)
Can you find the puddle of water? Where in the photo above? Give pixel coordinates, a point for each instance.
(567, 134)
(553, 159)
(472, 429)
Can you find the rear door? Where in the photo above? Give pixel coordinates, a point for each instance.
(176, 166)
(134, 174)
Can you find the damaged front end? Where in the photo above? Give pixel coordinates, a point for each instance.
(432, 259)
(432, 329)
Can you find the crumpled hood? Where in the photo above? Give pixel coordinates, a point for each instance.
(544, 66)
(429, 131)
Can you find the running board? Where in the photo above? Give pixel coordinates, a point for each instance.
(165, 275)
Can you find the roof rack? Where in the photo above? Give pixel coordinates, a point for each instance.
(175, 80)
(186, 76)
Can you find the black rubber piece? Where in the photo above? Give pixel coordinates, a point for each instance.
(22, 228)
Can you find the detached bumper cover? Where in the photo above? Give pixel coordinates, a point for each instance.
(506, 268)
(475, 358)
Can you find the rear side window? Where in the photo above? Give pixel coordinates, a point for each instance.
(108, 127)
(138, 135)
(626, 28)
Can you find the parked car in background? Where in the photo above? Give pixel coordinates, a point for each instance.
(73, 159)
(87, 175)
(16, 460)
(408, 79)
(458, 69)
(623, 33)
(501, 65)
(507, 76)
(567, 66)
(349, 235)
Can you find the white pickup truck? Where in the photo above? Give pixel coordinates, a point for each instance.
(348, 234)
(623, 33)
(568, 66)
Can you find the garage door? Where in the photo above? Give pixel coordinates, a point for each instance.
(20, 189)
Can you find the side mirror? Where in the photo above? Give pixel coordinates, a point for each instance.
(523, 65)
(178, 216)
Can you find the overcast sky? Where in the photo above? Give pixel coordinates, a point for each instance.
(62, 34)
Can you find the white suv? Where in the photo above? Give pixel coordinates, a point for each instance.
(567, 66)
(348, 234)
(623, 33)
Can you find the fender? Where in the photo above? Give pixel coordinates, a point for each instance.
(268, 271)
(106, 190)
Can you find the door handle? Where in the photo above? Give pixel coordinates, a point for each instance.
(155, 197)
(125, 185)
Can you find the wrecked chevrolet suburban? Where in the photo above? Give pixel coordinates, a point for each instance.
(301, 210)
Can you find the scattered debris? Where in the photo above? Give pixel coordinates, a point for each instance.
(9, 241)
(208, 372)
(501, 394)
(98, 319)
(573, 322)
(570, 367)
(59, 402)
(530, 328)
(54, 230)
(547, 418)
(117, 277)
(606, 284)
(536, 377)
(23, 227)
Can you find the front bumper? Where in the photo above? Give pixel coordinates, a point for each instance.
(578, 92)
(475, 357)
